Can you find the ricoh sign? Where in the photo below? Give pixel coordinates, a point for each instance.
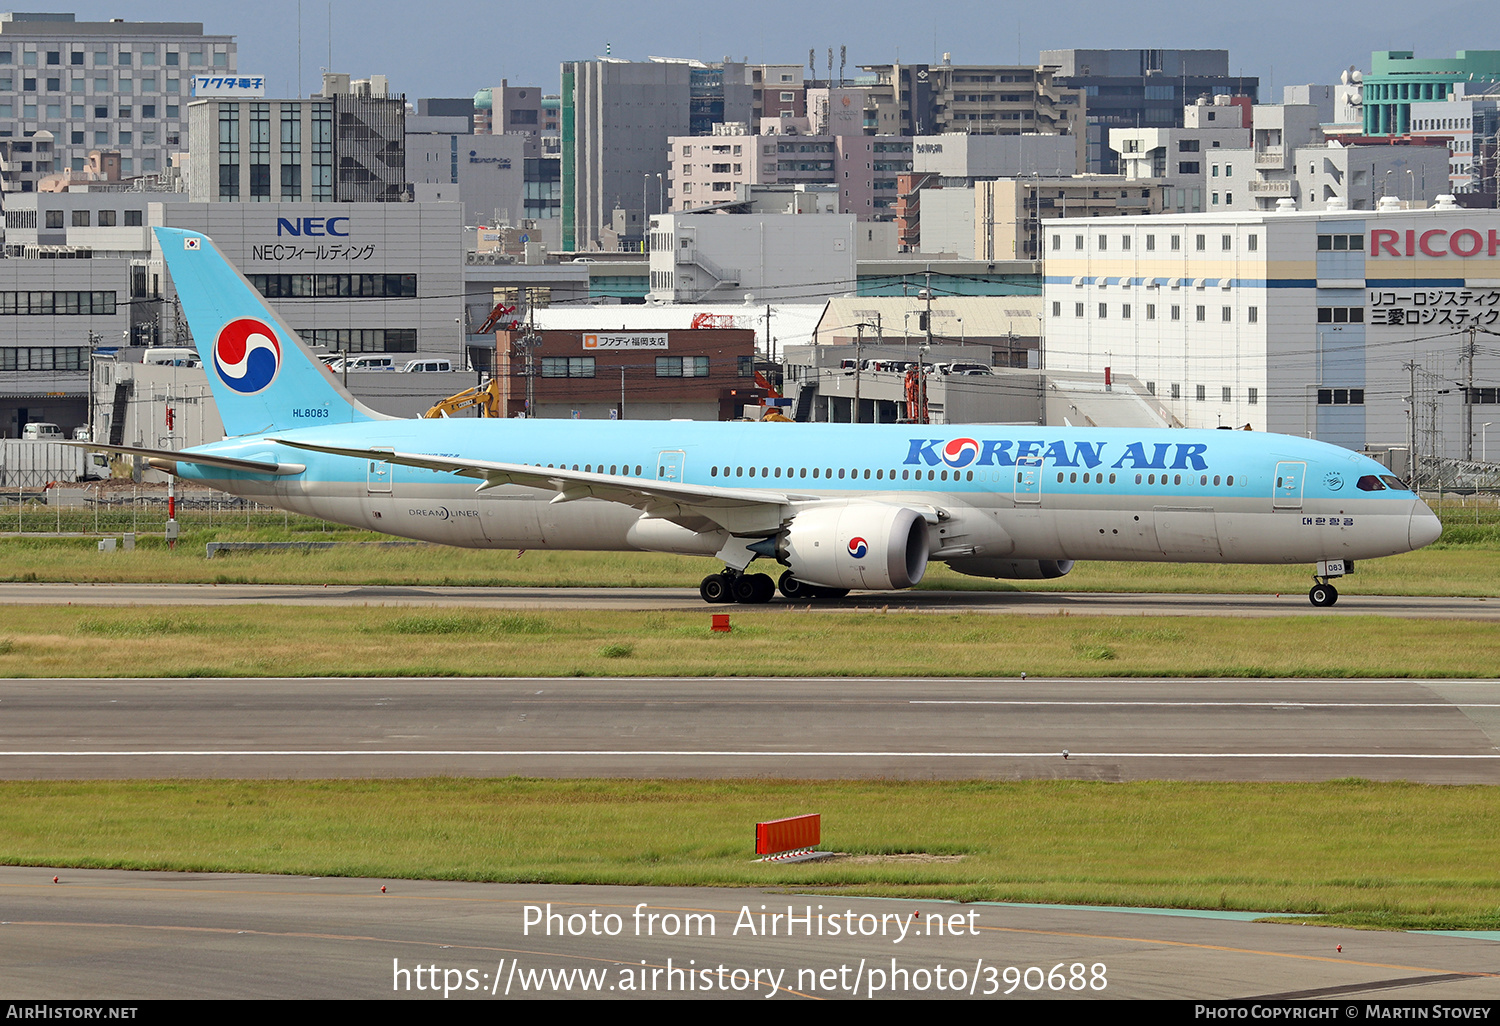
(1434, 242)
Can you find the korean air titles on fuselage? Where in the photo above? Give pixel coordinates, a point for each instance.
(959, 453)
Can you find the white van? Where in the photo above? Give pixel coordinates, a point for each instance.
(168, 357)
(40, 431)
(364, 363)
(428, 366)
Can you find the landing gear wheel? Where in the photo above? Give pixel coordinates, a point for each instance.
(716, 588)
(744, 588)
(794, 589)
(1323, 595)
(765, 588)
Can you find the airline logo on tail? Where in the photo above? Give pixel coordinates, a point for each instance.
(247, 355)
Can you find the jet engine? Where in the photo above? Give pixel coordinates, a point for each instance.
(861, 545)
(1013, 569)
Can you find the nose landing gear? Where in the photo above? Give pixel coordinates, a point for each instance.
(1323, 592)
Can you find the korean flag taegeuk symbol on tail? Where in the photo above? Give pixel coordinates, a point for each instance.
(247, 355)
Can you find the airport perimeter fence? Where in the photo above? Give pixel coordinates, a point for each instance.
(103, 511)
(87, 511)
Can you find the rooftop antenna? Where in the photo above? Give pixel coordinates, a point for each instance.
(330, 35)
(812, 64)
(830, 65)
(843, 56)
(299, 48)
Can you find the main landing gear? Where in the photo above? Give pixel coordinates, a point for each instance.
(736, 587)
(731, 586)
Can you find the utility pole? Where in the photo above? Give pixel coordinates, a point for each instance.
(858, 360)
(921, 364)
(1469, 397)
(529, 343)
(1411, 424)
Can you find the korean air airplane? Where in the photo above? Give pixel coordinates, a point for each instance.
(839, 507)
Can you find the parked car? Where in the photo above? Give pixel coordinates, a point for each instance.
(364, 363)
(428, 366)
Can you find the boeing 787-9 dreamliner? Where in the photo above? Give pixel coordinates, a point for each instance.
(838, 506)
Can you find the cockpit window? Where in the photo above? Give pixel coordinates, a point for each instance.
(1395, 482)
(1370, 483)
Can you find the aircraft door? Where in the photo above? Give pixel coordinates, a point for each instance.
(1028, 480)
(669, 465)
(1287, 490)
(380, 477)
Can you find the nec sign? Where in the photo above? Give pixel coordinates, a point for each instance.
(312, 227)
(1435, 242)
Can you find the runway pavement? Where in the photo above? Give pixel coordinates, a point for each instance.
(1292, 603)
(1111, 729)
(131, 936)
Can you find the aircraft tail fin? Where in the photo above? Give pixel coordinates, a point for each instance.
(262, 377)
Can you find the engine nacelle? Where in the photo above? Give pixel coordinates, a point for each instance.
(860, 545)
(1013, 569)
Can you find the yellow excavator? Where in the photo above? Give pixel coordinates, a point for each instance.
(486, 397)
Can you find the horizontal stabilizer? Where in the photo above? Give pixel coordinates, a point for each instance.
(176, 456)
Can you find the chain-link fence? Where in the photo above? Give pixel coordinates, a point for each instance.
(114, 510)
(1453, 490)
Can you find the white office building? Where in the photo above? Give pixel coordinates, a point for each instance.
(1321, 324)
(751, 258)
(68, 88)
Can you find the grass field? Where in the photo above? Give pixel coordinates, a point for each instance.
(1352, 852)
(285, 641)
(1388, 855)
(1465, 563)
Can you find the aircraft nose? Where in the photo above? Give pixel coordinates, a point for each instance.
(1425, 526)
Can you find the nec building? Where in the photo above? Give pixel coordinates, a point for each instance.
(1319, 324)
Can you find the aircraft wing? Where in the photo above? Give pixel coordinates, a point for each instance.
(174, 456)
(738, 510)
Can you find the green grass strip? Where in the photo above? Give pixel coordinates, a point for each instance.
(1371, 854)
(1466, 562)
(286, 641)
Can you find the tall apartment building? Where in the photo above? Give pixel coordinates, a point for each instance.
(704, 171)
(69, 87)
(1142, 89)
(1289, 159)
(338, 147)
(776, 91)
(617, 116)
(1468, 124)
(1177, 160)
(506, 109)
(932, 99)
